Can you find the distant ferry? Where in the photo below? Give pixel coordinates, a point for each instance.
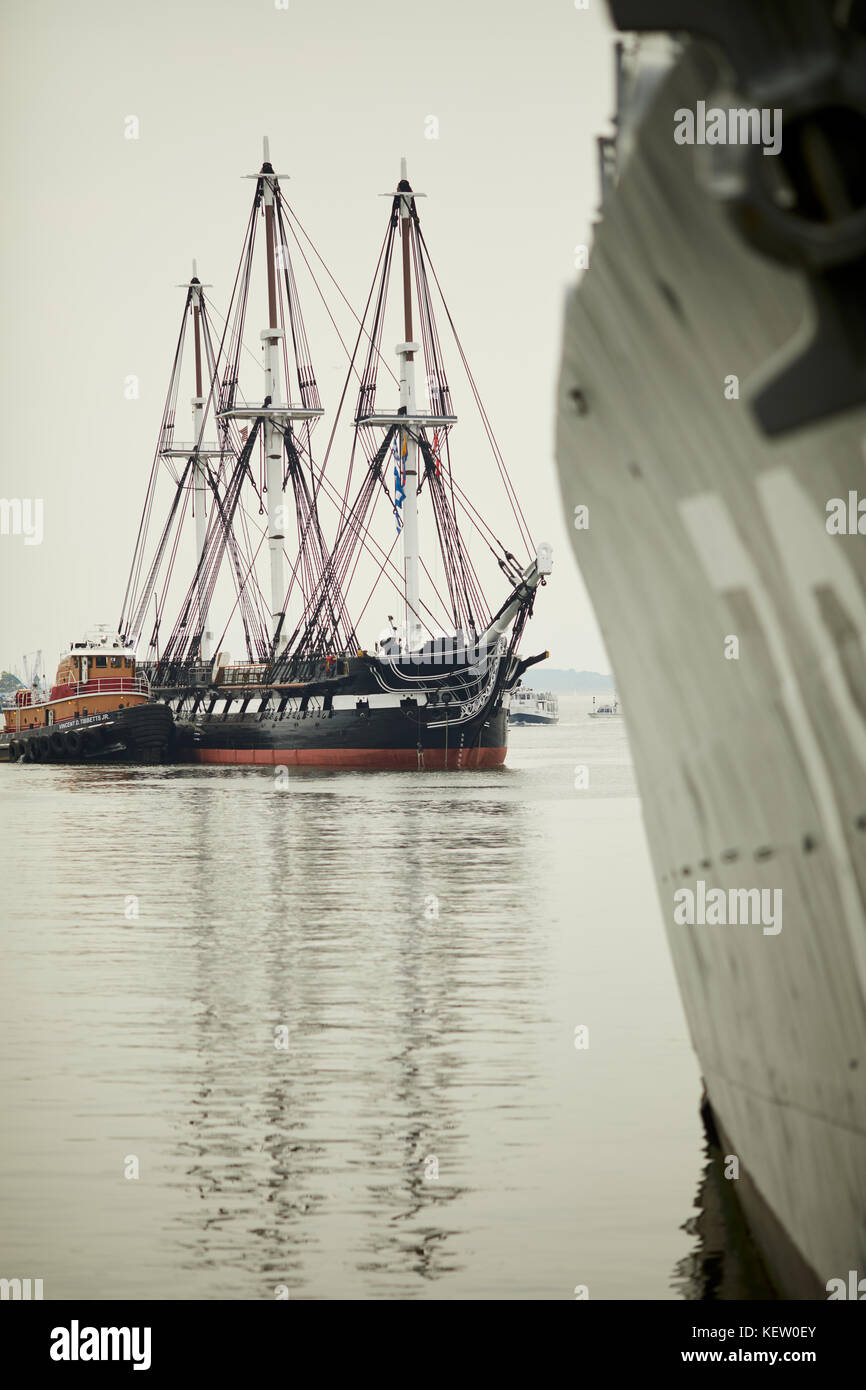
(99, 709)
(533, 707)
(609, 709)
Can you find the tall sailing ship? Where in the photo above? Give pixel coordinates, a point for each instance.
(433, 690)
(712, 411)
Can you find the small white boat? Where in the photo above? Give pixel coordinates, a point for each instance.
(605, 709)
(533, 706)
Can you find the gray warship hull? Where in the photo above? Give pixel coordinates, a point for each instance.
(750, 754)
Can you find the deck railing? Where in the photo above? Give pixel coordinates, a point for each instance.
(242, 675)
(104, 685)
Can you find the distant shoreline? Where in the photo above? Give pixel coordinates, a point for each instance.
(569, 682)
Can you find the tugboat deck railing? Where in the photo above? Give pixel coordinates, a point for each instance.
(102, 685)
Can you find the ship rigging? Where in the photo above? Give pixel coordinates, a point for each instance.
(450, 658)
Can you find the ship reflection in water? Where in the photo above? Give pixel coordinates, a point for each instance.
(379, 994)
(320, 1041)
(725, 1265)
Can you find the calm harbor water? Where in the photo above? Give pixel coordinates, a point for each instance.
(331, 1025)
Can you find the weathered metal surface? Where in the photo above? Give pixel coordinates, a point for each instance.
(752, 771)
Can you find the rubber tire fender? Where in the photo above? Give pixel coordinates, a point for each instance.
(73, 743)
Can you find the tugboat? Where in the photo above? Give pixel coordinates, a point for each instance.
(432, 690)
(533, 706)
(99, 709)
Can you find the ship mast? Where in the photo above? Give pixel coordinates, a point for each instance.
(268, 418)
(408, 443)
(277, 411)
(273, 433)
(200, 477)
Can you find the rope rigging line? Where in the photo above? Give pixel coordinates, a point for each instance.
(497, 453)
(130, 598)
(466, 601)
(321, 577)
(185, 645)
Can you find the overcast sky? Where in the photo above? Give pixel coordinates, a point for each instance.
(99, 229)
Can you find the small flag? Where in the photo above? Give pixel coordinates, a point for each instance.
(399, 490)
(244, 433)
(436, 453)
(399, 497)
(397, 459)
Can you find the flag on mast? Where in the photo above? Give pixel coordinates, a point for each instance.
(399, 496)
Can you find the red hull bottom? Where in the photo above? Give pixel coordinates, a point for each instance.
(371, 759)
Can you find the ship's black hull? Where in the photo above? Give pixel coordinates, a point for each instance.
(138, 734)
(373, 714)
(387, 739)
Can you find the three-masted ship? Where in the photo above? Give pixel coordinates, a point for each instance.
(432, 691)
